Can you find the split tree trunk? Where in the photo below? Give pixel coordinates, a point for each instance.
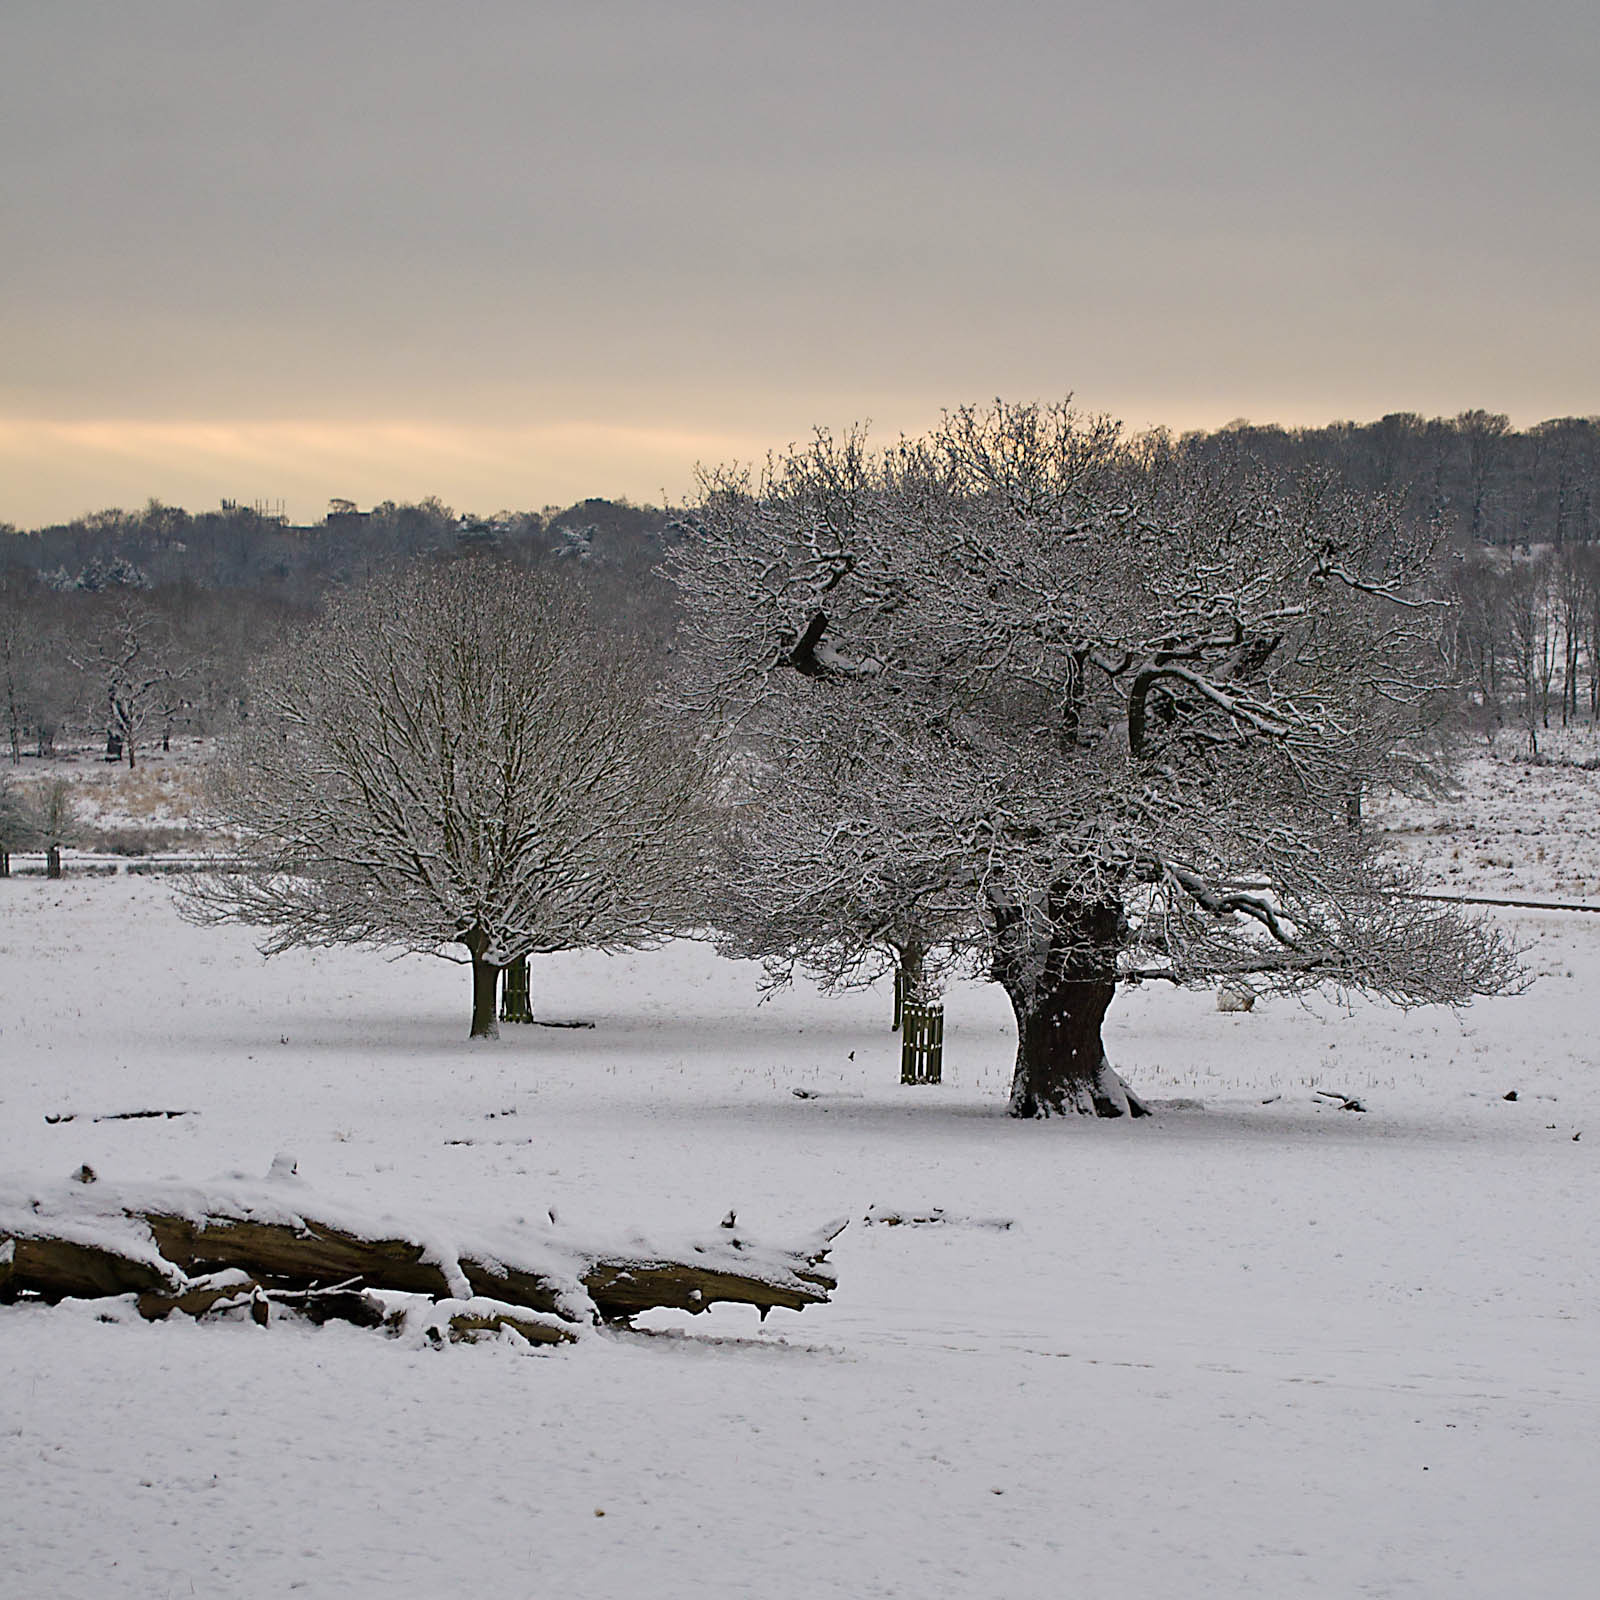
(1061, 978)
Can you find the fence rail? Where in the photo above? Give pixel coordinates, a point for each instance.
(1496, 900)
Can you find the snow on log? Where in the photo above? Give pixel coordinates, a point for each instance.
(730, 1268)
(237, 1248)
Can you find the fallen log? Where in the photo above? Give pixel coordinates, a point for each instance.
(299, 1253)
(56, 1267)
(236, 1248)
(621, 1289)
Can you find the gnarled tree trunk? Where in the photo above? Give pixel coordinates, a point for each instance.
(1060, 974)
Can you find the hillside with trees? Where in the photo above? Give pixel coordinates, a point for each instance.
(126, 626)
(194, 597)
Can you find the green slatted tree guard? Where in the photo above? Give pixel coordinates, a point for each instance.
(921, 1041)
(516, 1004)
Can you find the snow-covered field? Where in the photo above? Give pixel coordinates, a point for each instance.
(1257, 1346)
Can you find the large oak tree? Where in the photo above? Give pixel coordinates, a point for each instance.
(1119, 700)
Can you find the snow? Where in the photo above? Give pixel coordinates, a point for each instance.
(1256, 1345)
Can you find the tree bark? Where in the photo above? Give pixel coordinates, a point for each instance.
(1061, 978)
(485, 997)
(908, 979)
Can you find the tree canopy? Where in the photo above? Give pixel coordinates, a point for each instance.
(1090, 709)
(454, 759)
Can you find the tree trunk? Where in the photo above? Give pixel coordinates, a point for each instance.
(1060, 977)
(485, 995)
(908, 979)
(52, 861)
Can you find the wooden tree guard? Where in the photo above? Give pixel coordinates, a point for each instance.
(921, 1042)
(516, 1003)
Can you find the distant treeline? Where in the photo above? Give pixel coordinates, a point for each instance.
(1488, 482)
(131, 626)
(138, 623)
(238, 547)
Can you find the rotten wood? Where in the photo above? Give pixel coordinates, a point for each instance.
(58, 1269)
(294, 1257)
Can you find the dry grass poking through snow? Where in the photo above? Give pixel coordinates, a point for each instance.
(1517, 829)
(149, 809)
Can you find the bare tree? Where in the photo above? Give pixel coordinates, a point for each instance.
(27, 649)
(1479, 633)
(53, 823)
(1525, 586)
(1131, 691)
(16, 825)
(452, 759)
(139, 668)
(41, 817)
(1571, 583)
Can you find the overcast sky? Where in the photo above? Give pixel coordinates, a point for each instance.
(514, 252)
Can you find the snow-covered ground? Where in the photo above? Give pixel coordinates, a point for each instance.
(1257, 1346)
